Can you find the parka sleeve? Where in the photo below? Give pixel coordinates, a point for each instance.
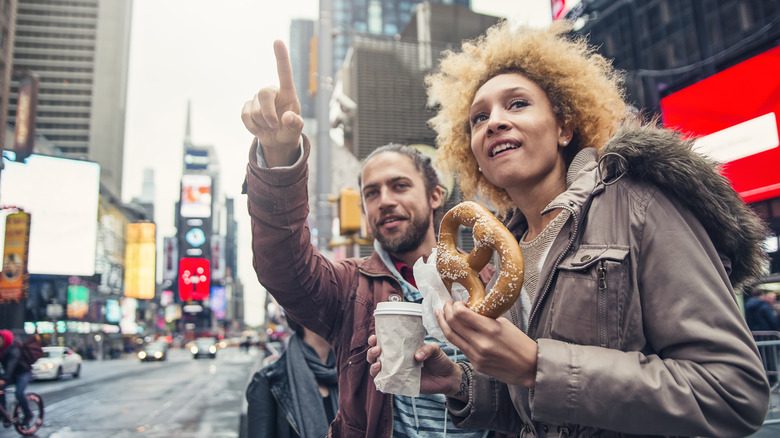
(699, 374)
(489, 405)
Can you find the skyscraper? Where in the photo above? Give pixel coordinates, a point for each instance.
(373, 17)
(80, 52)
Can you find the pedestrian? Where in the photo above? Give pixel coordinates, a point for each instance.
(15, 371)
(633, 245)
(760, 311)
(336, 299)
(297, 395)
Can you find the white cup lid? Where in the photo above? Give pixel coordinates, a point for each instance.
(398, 308)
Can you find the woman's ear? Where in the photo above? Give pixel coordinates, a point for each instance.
(565, 135)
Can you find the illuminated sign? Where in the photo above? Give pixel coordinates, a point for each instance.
(195, 196)
(170, 258)
(78, 301)
(140, 264)
(737, 110)
(62, 196)
(196, 159)
(14, 279)
(194, 279)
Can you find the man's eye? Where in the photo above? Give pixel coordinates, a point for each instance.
(369, 194)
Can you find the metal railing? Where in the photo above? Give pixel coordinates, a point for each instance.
(768, 343)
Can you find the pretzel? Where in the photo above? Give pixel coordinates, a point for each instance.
(489, 235)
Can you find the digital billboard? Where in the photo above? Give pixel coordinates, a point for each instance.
(78, 301)
(735, 112)
(140, 263)
(170, 258)
(61, 196)
(194, 279)
(195, 196)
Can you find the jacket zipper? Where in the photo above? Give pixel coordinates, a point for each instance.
(548, 283)
(602, 300)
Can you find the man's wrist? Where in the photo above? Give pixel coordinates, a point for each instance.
(461, 392)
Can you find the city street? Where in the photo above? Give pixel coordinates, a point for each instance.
(180, 397)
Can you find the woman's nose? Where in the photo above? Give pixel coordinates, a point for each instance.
(497, 123)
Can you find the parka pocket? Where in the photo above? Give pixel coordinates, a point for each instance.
(587, 303)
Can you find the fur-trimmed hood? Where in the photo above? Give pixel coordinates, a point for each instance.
(660, 156)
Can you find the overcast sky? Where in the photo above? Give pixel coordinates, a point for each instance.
(216, 55)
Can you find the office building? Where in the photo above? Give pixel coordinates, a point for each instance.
(80, 52)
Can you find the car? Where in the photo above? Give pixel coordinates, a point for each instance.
(204, 347)
(154, 351)
(56, 362)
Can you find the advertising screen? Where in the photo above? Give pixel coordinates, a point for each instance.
(736, 111)
(113, 311)
(78, 301)
(217, 302)
(61, 196)
(140, 261)
(194, 279)
(195, 196)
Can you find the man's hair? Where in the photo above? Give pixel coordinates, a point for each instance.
(585, 92)
(422, 163)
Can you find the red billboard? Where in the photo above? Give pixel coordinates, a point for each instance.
(737, 110)
(194, 279)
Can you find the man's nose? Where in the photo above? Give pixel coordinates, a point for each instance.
(386, 198)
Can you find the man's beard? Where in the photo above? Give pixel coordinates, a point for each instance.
(407, 242)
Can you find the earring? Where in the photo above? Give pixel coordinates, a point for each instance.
(565, 143)
(479, 169)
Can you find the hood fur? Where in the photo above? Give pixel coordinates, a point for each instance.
(660, 156)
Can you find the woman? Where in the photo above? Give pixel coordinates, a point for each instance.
(633, 246)
(297, 395)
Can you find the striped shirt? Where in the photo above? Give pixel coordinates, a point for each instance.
(426, 415)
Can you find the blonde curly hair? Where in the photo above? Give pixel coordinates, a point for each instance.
(585, 92)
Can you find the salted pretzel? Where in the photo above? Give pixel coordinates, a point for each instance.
(489, 235)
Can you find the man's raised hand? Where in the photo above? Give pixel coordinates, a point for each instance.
(274, 115)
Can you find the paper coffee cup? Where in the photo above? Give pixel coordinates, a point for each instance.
(400, 333)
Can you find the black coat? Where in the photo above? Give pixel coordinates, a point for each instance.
(269, 413)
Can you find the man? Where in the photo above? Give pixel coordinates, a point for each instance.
(336, 300)
(16, 371)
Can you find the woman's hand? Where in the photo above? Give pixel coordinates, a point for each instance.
(440, 375)
(274, 115)
(494, 346)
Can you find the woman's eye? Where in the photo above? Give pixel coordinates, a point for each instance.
(478, 118)
(518, 103)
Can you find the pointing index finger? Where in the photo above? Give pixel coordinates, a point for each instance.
(284, 68)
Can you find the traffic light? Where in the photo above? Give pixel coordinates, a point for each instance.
(350, 211)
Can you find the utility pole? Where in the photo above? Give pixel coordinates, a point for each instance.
(324, 72)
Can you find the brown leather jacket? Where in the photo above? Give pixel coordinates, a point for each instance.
(334, 299)
(638, 328)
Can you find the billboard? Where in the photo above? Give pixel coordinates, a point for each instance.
(736, 111)
(170, 258)
(140, 264)
(194, 279)
(218, 302)
(78, 301)
(196, 159)
(217, 257)
(61, 196)
(195, 196)
(195, 236)
(14, 278)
